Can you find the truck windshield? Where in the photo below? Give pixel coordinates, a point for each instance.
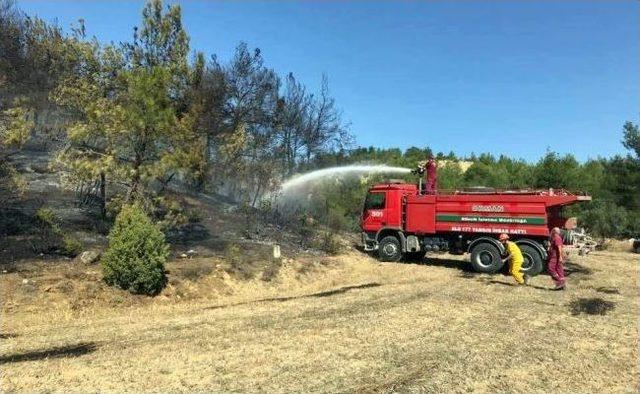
(374, 201)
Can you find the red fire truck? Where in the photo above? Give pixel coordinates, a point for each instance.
(402, 220)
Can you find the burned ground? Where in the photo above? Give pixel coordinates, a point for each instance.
(591, 306)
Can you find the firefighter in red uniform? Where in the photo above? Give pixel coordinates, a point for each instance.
(556, 267)
(432, 176)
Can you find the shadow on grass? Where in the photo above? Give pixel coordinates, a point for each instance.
(6, 335)
(342, 290)
(573, 268)
(460, 265)
(608, 290)
(321, 294)
(358, 246)
(498, 282)
(76, 350)
(429, 260)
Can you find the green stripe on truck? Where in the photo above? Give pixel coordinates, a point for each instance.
(490, 219)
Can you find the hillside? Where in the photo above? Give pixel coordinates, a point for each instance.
(217, 224)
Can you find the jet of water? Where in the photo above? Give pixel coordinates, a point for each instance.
(299, 180)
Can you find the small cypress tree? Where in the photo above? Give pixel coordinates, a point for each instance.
(136, 254)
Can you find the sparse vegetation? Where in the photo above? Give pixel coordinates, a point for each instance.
(271, 269)
(246, 263)
(136, 254)
(331, 243)
(195, 272)
(50, 238)
(238, 264)
(71, 247)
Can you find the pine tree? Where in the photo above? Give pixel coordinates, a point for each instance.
(133, 122)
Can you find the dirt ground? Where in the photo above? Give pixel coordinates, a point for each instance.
(339, 324)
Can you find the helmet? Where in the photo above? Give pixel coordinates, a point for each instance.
(503, 237)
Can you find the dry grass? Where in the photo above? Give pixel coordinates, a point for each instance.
(339, 324)
(614, 245)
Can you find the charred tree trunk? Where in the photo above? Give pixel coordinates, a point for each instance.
(135, 181)
(256, 195)
(103, 195)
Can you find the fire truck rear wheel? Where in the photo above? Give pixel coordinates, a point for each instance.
(532, 264)
(486, 258)
(389, 249)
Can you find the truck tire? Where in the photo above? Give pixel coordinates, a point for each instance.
(532, 264)
(486, 258)
(389, 249)
(415, 256)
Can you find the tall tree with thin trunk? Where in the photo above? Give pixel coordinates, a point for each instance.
(134, 124)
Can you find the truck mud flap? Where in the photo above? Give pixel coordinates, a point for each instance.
(370, 245)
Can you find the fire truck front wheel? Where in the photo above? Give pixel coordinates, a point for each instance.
(389, 249)
(486, 258)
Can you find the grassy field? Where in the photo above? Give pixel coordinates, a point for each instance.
(340, 324)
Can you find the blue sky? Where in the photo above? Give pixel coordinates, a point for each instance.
(515, 77)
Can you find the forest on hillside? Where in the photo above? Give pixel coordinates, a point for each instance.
(131, 121)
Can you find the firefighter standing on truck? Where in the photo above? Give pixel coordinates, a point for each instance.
(514, 256)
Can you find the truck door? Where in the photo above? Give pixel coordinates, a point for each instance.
(374, 215)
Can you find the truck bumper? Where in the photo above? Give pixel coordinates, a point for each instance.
(369, 242)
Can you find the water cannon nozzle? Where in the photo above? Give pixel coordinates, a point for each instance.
(419, 170)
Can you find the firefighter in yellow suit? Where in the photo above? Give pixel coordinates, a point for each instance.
(514, 256)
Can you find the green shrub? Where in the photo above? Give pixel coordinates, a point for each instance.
(249, 217)
(47, 219)
(71, 247)
(331, 244)
(337, 221)
(47, 235)
(51, 237)
(136, 254)
(604, 218)
(239, 264)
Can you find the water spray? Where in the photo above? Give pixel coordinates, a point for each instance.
(299, 180)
